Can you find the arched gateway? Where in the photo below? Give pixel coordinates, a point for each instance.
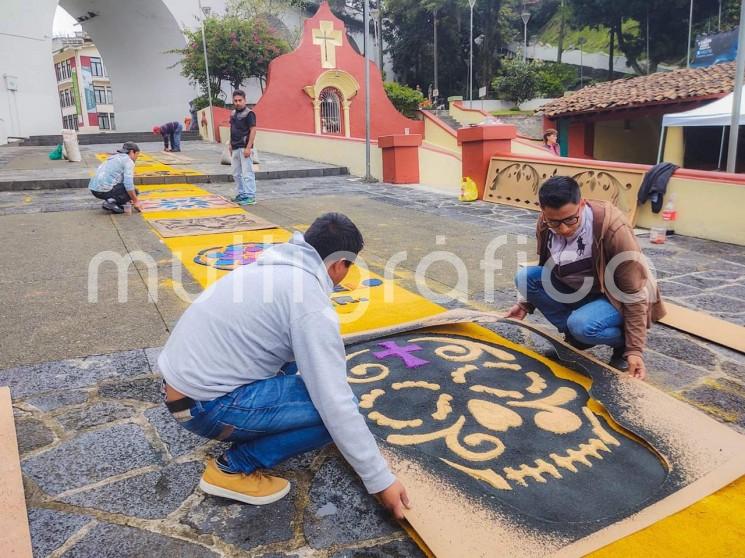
(133, 38)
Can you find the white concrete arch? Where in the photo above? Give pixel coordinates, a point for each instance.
(132, 37)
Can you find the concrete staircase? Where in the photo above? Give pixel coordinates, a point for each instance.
(444, 115)
(112, 137)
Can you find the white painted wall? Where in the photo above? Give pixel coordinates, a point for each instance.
(132, 37)
(26, 53)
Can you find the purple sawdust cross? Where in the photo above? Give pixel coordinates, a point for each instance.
(392, 349)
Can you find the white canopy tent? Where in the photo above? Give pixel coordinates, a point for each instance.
(716, 113)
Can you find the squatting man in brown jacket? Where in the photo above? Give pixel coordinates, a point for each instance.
(591, 281)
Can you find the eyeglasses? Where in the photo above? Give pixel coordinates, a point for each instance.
(569, 221)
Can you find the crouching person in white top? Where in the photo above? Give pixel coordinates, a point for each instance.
(230, 366)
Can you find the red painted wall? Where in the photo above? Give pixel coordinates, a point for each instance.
(581, 139)
(285, 106)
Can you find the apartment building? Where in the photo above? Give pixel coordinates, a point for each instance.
(85, 95)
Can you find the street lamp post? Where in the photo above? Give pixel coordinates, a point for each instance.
(375, 14)
(206, 12)
(436, 92)
(471, 4)
(366, 17)
(690, 29)
(580, 42)
(525, 16)
(734, 128)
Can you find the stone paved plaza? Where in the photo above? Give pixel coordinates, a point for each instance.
(108, 473)
(26, 168)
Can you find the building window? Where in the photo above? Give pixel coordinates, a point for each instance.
(111, 120)
(97, 67)
(65, 70)
(103, 121)
(109, 96)
(57, 72)
(330, 111)
(100, 95)
(70, 122)
(66, 98)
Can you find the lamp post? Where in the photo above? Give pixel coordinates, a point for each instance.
(525, 16)
(471, 4)
(366, 17)
(375, 14)
(580, 42)
(688, 44)
(734, 127)
(206, 12)
(436, 91)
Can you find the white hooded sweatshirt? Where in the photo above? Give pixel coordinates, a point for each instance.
(248, 324)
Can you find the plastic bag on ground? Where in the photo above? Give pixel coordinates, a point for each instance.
(468, 190)
(56, 153)
(70, 141)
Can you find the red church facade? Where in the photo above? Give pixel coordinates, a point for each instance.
(319, 88)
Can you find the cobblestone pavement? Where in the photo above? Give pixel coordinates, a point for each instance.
(108, 473)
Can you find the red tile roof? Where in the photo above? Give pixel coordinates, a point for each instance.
(660, 88)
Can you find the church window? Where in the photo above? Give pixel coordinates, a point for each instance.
(330, 111)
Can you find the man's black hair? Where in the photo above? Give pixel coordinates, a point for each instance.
(334, 233)
(239, 93)
(558, 191)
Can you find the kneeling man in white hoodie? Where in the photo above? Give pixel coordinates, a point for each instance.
(230, 369)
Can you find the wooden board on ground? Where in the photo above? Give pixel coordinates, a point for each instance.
(515, 182)
(15, 537)
(188, 202)
(168, 228)
(705, 326)
(505, 452)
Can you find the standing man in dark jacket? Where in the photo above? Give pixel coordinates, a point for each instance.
(242, 135)
(171, 133)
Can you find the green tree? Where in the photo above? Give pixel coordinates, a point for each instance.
(518, 81)
(405, 99)
(237, 49)
(555, 79)
(409, 34)
(668, 26)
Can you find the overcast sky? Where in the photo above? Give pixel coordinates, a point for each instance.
(64, 23)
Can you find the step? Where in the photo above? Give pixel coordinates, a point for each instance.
(110, 137)
(58, 183)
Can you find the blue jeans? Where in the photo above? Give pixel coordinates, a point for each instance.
(267, 421)
(243, 173)
(176, 138)
(592, 320)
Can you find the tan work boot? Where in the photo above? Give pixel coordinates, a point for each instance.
(257, 488)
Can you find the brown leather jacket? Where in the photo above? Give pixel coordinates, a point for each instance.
(612, 235)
